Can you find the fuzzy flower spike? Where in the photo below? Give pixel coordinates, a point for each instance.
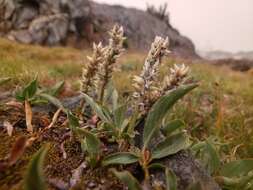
(112, 52)
(89, 75)
(146, 86)
(177, 76)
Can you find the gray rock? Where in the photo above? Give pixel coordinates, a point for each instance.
(22, 36)
(9, 7)
(76, 8)
(49, 30)
(141, 28)
(24, 16)
(86, 21)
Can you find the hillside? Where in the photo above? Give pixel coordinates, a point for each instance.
(80, 22)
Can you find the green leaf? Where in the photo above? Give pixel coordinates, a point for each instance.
(172, 126)
(92, 141)
(195, 186)
(34, 179)
(237, 168)
(171, 145)
(119, 115)
(73, 121)
(28, 92)
(120, 158)
(53, 100)
(128, 179)
(56, 89)
(171, 179)
(98, 110)
(115, 97)
(160, 109)
(4, 80)
(213, 162)
(156, 166)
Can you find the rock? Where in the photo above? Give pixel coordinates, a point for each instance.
(9, 7)
(22, 36)
(76, 8)
(189, 171)
(24, 16)
(80, 22)
(141, 28)
(49, 30)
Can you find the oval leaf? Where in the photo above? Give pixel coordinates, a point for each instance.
(53, 100)
(237, 168)
(212, 158)
(172, 126)
(128, 179)
(120, 158)
(171, 145)
(119, 115)
(96, 108)
(92, 142)
(72, 121)
(160, 109)
(28, 92)
(34, 179)
(171, 179)
(56, 89)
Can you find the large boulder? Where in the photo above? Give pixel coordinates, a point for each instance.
(50, 30)
(141, 28)
(48, 22)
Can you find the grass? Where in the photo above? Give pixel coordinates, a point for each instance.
(222, 106)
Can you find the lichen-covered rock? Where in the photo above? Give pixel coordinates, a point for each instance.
(50, 30)
(24, 16)
(22, 36)
(86, 21)
(141, 28)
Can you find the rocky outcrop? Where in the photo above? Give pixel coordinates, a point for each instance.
(80, 22)
(42, 22)
(141, 28)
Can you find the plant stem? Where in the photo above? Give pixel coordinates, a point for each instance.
(28, 116)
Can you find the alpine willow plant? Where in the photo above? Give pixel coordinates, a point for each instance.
(117, 122)
(31, 94)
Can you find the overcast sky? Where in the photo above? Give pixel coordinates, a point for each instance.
(211, 24)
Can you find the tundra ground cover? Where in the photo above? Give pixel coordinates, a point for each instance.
(218, 114)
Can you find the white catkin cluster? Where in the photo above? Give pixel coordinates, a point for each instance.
(98, 71)
(112, 52)
(176, 77)
(89, 75)
(148, 87)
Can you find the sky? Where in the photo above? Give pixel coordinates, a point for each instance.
(211, 24)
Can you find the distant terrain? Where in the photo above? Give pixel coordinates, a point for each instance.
(78, 23)
(213, 55)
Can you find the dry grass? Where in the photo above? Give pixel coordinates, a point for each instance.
(222, 106)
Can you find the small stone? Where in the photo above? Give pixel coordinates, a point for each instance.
(92, 184)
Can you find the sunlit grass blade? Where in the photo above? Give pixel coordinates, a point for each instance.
(4, 80)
